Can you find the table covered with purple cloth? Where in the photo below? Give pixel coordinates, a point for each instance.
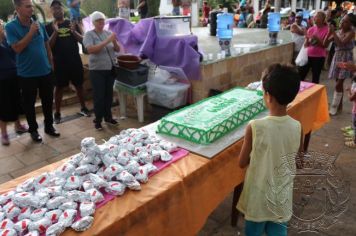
(141, 39)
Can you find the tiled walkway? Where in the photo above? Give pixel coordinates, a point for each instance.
(23, 155)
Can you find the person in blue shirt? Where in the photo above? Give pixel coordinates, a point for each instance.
(243, 18)
(74, 10)
(29, 40)
(10, 97)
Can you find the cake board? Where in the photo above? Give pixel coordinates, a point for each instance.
(210, 150)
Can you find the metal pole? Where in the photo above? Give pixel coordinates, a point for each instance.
(256, 7)
(277, 6)
(294, 5)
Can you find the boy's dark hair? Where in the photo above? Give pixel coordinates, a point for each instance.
(282, 82)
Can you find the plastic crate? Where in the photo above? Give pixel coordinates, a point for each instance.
(167, 95)
(133, 77)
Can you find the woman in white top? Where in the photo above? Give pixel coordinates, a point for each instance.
(101, 46)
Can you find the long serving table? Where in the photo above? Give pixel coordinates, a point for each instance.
(178, 200)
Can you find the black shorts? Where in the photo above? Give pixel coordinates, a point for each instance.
(64, 76)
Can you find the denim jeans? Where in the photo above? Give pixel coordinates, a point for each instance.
(102, 83)
(176, 11)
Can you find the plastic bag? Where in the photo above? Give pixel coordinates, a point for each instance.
(302, 58)
(161, 76)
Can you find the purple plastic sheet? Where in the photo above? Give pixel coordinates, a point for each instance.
(140, 39)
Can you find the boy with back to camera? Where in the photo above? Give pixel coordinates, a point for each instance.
(271, 143)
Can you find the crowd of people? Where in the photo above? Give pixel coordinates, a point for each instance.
(329, 42)
(44, 59)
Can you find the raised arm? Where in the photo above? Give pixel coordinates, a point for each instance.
(77, 32)
(94, 49)
(295, 29)
(74, 3)
(54, 35)
(20, 45)
(116, 46)
(347, 38)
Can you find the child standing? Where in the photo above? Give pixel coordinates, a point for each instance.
(267, 145)
(74, 10)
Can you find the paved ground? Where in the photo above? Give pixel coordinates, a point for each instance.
(23, 156)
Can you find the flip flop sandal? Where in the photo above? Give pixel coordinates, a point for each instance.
(350, 144)
(346, 129)
(349, 133)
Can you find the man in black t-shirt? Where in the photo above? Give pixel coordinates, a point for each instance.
(64, 39)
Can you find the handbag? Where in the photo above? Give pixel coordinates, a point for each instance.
(302, 58)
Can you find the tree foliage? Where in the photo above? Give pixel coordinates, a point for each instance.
(6, 8)
(108, 7)
(153, 7)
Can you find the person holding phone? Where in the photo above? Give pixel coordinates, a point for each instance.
(316, 49)
(101, 45)
(64, 38)
(28, 38)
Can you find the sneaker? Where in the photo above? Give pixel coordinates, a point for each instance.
(111, 121)
(98, 126)
(84, 112)
(21, 129)
(57, 118)
(5, 140)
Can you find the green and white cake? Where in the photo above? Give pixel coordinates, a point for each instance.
(212, 118)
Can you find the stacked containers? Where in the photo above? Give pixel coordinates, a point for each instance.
(274, 22)
(225, 23)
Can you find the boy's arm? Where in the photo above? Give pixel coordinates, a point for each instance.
(299, 158)
(244, 158)
(301, 145)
